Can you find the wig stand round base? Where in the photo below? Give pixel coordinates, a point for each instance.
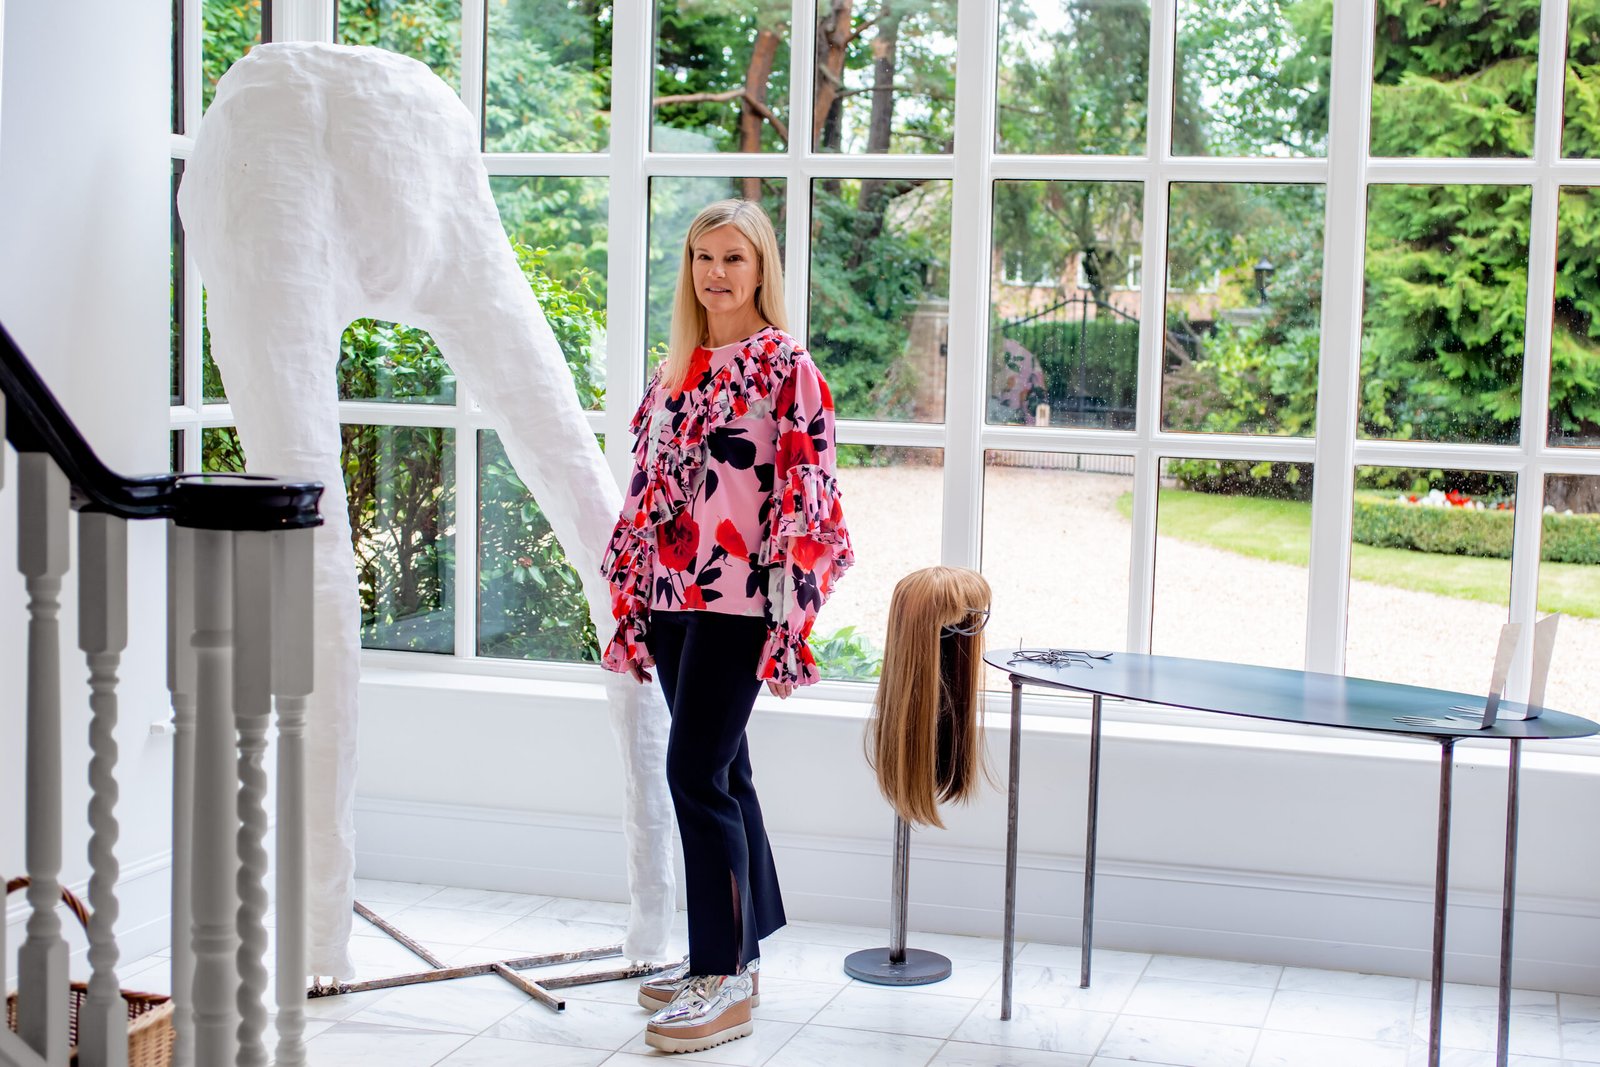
(916, 967)
(898, 965)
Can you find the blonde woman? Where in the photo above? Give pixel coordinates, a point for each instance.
(730, 539)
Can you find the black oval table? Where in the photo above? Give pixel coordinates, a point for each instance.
(1288, 696)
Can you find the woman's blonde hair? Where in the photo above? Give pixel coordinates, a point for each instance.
(688, 315)
(925, 738)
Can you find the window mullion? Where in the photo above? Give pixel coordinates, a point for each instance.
(301, 20)
(632, 72)
(474, 60)
(1152, 319)
(1527, 538)
(966, 388)
(797, 189)
(466, 539)
(1339, 358)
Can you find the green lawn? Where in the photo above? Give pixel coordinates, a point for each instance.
(1281, 530)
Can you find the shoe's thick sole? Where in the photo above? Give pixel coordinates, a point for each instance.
(730, 1026)
(648, 1001)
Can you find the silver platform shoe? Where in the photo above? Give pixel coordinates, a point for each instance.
(657, 991)
(710, 1009)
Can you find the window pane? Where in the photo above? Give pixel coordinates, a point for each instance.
(530, 599)
(1064, 304)
(220, 450)
(880, 295)
(177, 66)
(429, 30)
(175, 293)
(1442, 334)
(548, 78)
(1073, 77)
(401, 486)
(1244, 305)
(175, 451)
(674, 202)
(1233, 543)
(389, 361)
(722, 76)
(211, 388)
(1072, 512)
(228, 29)
(886, 76)
(1569, 582)
(558, 227)
(1580, 136)
(892, 502)
(1575, 339)
(1430, 575)
(1252, 80)
(1454, 80)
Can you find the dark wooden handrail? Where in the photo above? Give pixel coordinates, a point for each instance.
(36, 422)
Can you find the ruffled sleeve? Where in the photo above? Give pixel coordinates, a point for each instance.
(807, 543)
(627, 562)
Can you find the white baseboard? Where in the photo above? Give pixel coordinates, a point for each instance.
(1257, 916)
(144, 899)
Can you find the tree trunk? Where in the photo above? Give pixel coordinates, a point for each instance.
(833, 37)
(877, 192)
(756, 76)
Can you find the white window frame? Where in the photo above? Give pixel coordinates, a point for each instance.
(1347, 172)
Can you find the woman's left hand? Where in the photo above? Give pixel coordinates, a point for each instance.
(781, 690)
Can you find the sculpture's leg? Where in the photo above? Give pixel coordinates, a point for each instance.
(277, 347)
(514, 368)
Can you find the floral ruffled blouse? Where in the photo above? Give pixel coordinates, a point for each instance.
(732, 505)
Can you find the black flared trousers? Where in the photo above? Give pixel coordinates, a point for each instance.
(706, 663)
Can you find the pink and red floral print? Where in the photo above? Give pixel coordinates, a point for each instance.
(732, 505)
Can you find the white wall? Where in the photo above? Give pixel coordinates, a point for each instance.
(1313, 848)
(84, 189)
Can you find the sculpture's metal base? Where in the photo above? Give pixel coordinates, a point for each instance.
(920, 967)
(506, 969)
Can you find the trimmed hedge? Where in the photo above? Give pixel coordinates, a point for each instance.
(1385, 523)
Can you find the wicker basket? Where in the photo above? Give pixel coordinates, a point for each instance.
(149, 1014)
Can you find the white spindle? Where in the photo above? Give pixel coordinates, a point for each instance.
(102, 635)
(292, 683)
(252, 697)
(181, 683)
(216, 822)
(42, 511)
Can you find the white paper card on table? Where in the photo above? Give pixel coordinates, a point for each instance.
(1510, 635)
(1544, 644)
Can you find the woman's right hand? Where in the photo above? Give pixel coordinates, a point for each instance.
(637, 669)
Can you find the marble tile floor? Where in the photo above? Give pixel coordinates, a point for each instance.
(1141, 1009)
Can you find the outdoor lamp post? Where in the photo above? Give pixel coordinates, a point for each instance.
(1263, 269)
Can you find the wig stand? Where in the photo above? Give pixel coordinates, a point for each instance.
(507, 969)
(898, 965)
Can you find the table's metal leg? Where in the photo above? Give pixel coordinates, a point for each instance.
(1010, 947)
(1089, 844)
(1508, 905)
(1441, 892)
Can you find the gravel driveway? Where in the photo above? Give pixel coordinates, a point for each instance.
(1056, 553)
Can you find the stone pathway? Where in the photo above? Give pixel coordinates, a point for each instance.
(1056, 553)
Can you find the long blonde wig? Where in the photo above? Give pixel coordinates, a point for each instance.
(688, 315)
(925, 739)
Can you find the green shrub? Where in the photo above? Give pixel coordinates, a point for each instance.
(845, 656)
(1386, 523)
(1080, 358)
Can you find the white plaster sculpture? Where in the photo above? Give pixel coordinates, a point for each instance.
(330, 183)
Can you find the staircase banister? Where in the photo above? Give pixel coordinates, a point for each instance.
(36, 422)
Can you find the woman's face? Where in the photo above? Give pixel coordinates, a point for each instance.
(727, 271)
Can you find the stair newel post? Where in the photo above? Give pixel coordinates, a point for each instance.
(103, 635)
(292, 679)
(181, 684)
(43, 506)
(216, 821)
(252, 696)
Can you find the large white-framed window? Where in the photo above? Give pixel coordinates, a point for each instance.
(1362, 302)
